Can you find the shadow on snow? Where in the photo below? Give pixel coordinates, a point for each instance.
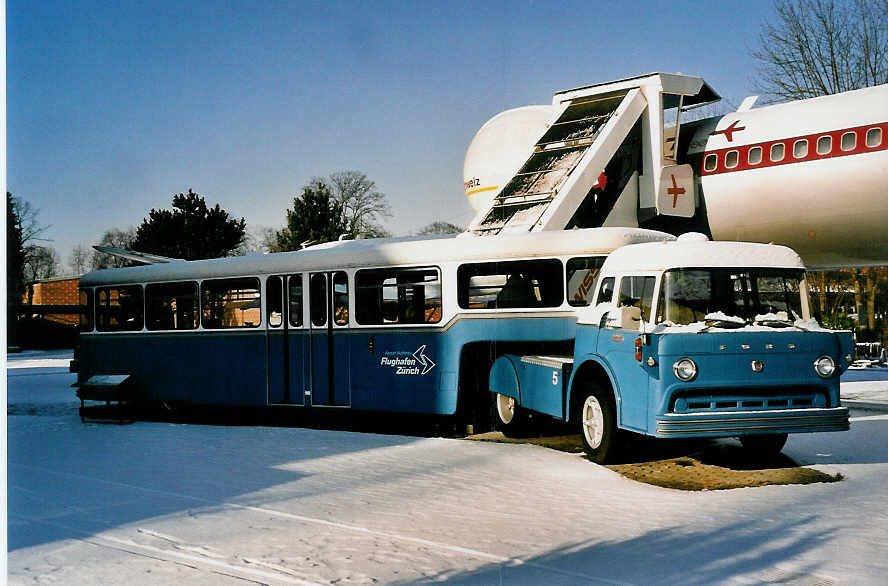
(667, 556)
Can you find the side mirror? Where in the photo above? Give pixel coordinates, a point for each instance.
(624, 317)
(595, 315)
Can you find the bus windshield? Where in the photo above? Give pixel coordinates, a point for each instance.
(731, 297)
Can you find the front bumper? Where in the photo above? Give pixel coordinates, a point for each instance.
(733, 423)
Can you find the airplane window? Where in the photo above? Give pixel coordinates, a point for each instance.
(755, 155)
(849, 141)
(710, 162)
(800, 149)
(777, 152)
(731, 159)
(873, 137)
(824, 145)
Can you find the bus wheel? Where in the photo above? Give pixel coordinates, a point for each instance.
(765, 445)
(598, 425)
(511, 419)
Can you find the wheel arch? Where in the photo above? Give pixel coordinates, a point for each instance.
(504, 378)
(594, 370)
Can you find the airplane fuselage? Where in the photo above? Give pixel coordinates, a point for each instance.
(810, 174)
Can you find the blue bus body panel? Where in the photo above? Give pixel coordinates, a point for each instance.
(539, 387)
(296, 355)
(616, 347)
(320, 383)
(205, 367)
(404, 370)
(542, 389)
(399, 371)
(504, 378)
(727, 397)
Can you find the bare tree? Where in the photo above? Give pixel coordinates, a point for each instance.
(257, 240)
(440, 227)
(80, 259)
(119, 239)
(819, 47)
(41, 262)
(363, 206)
(27, 216)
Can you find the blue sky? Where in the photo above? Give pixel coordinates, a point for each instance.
(115, 106)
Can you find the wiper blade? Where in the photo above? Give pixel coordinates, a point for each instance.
(774, 323)
(727, 324)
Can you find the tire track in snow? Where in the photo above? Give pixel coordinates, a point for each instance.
(197, 562)
(488, 557)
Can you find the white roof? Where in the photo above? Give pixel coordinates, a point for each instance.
(694, 253)
(387, 252)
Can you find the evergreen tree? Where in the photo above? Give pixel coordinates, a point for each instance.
(190, 230)
(316, 217)
(15, 253)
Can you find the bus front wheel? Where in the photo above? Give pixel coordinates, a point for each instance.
(598, 424)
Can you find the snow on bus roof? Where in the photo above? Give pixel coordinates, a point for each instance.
(690, 251)
(416, 250)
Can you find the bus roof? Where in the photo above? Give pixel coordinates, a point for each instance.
(378, 252)
(696, 252)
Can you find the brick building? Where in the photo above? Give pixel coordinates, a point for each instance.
(56, 291)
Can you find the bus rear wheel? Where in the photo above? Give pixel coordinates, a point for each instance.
(765, 445)
(598, 424)
(511, 419)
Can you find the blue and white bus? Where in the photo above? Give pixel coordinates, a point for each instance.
(684, 339)
(399, 325)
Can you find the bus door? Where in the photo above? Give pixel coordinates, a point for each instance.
(287, 372)
(617, 345)
(328, 310)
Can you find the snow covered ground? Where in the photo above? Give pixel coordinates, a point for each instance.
(160, 503)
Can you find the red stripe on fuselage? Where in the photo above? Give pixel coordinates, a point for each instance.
(789, 143)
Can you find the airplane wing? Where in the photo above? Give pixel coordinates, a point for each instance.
(140, 257)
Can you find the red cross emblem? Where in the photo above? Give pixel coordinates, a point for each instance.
(675, 191)
(730, 130)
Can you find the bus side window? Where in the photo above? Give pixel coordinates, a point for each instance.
(511, 284)
(340, 298)
(318, 299)
(119, 309)
(638, 292)
(171, 306)
(230, 303)
(606, 293)
(405, 295)
(86, 310)
(582, 276)
(274, 302)
(295, 296)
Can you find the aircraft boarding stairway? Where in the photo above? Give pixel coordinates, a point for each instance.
(587, 128)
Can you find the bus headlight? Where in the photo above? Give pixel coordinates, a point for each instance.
(824, 366)
(685, 369)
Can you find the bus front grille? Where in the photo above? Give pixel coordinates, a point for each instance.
(748, 399)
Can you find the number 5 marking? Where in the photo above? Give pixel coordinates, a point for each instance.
(554, 378)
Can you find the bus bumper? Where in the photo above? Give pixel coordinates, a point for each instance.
(734, 423)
